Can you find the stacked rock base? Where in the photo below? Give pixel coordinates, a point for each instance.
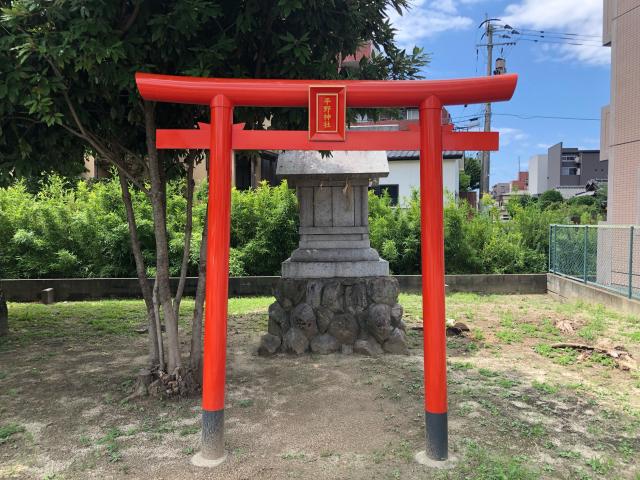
(348, 315)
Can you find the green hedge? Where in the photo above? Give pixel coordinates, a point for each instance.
(81, 231)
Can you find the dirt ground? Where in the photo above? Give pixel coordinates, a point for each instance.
(519, 409)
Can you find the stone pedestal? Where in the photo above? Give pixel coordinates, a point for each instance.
(359, 315)
(335, 293)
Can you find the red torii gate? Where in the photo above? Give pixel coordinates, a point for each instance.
(431, 137)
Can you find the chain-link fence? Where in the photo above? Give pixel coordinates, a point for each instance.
(603, 255)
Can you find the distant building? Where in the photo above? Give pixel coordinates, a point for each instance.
(500, 191)
(574, 167)
(521, 184)
(564, 168)
(538, 175)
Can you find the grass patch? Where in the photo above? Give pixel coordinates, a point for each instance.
(600, 466)
(509, 336)
(7, 431)
(33, 321)
(561, 356)
(293, 456)
(189, 430)
(245, 305)
(480, 464)
(544, 387)
(461, 366)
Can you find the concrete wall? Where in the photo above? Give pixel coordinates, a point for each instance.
(535, 283)
(554, 155)
(102, 288)
(565, 289)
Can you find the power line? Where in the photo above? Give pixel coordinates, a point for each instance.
(528, 117)
(546, 32)
(551, 42)
(550, 117)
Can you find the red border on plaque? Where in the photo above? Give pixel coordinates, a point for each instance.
(333, 127)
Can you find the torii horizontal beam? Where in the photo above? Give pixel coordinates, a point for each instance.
(299, 139)
(295, 93)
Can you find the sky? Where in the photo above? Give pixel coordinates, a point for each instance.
(555, 79)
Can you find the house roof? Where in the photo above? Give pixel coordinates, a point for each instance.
(415, 154)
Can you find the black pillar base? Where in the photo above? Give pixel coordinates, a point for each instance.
(212, 434)
(437, 436)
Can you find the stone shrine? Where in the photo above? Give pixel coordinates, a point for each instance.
(335, 293)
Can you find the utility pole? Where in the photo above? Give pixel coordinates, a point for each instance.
(486, 155)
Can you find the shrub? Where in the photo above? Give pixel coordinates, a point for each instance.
(81, 231)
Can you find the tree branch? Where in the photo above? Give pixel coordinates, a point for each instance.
(129, 22)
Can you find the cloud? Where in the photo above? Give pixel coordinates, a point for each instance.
(509, 135)
(583, 17)
(427, 18)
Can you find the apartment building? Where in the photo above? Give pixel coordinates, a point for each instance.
(620, 143)
(567, 169)
(620, 128)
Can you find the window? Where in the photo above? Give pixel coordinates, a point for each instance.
(392, 189)
(570, 171)
(413, 114)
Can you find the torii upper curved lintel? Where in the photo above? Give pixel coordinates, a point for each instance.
(295, 93)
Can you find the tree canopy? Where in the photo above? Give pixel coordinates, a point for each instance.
(70, 64)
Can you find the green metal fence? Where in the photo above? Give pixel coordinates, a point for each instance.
(604, 255)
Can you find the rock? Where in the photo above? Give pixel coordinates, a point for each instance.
(345, 328)
(295, 341)
(269, 345)
(273, 327)
(331, 297)
(355, 298)
(347, 349)
(314, 293)
(304, 319)
(278, 313)
(367, 347)
(278, 320)
(384, 290)
(379, 321)
(324, 344)
(396, 343)
(396, 314)
(289, 292)
(324, 316)
(47, 296)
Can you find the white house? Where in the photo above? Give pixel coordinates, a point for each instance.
(404, 173)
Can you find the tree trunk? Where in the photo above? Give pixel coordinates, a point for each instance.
(158, 325)
(188, 229)
(154, 349)
(195, 360)
(174, 359)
